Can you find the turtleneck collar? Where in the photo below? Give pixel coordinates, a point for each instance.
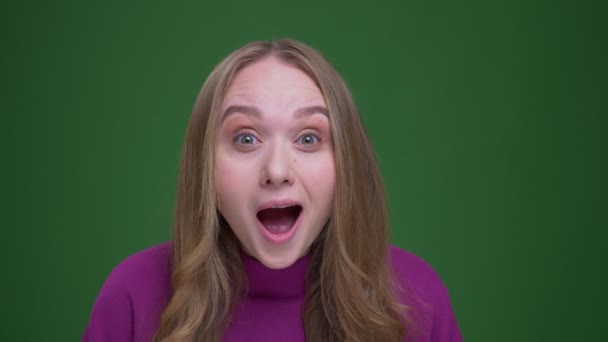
(267, 282)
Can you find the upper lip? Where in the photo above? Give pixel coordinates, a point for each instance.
(282, 203)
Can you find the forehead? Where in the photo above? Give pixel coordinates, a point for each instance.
(272, 80)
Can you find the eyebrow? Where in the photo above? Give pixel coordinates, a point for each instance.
(257, 113)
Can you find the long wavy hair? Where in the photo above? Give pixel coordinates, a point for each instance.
(351, 294)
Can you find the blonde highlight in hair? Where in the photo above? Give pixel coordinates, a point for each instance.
(351, 293)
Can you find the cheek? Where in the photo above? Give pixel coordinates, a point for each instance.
(231, 179)
(319, 174)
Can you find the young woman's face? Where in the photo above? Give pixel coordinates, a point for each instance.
(275, 171)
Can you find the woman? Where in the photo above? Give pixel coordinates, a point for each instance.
(281, 225)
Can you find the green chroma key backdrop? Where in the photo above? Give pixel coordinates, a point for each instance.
(488, 118)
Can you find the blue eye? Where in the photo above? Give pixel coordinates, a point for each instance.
(246, 139)
(309, 139)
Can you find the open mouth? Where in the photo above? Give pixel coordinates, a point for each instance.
(279, 220)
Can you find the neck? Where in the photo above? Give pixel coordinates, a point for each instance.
(263, 281)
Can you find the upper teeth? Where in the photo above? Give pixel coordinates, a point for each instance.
(284, 206)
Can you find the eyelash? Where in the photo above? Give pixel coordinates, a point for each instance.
(310, 133)
(242, 133)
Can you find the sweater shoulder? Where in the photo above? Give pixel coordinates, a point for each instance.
(147, 272)
(130, 303)
(426, 296)
(152, 262)
(415, 271)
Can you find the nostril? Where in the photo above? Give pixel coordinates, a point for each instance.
(266, 181)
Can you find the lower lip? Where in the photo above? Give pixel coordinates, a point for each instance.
(280, 238)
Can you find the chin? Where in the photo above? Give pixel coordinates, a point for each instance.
(278, 259)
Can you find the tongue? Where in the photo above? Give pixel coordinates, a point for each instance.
(279, 220)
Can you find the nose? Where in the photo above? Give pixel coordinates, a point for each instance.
(276, 168)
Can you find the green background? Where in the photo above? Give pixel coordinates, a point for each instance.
(488, 118)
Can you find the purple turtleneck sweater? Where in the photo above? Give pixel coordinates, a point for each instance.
(136, 292)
